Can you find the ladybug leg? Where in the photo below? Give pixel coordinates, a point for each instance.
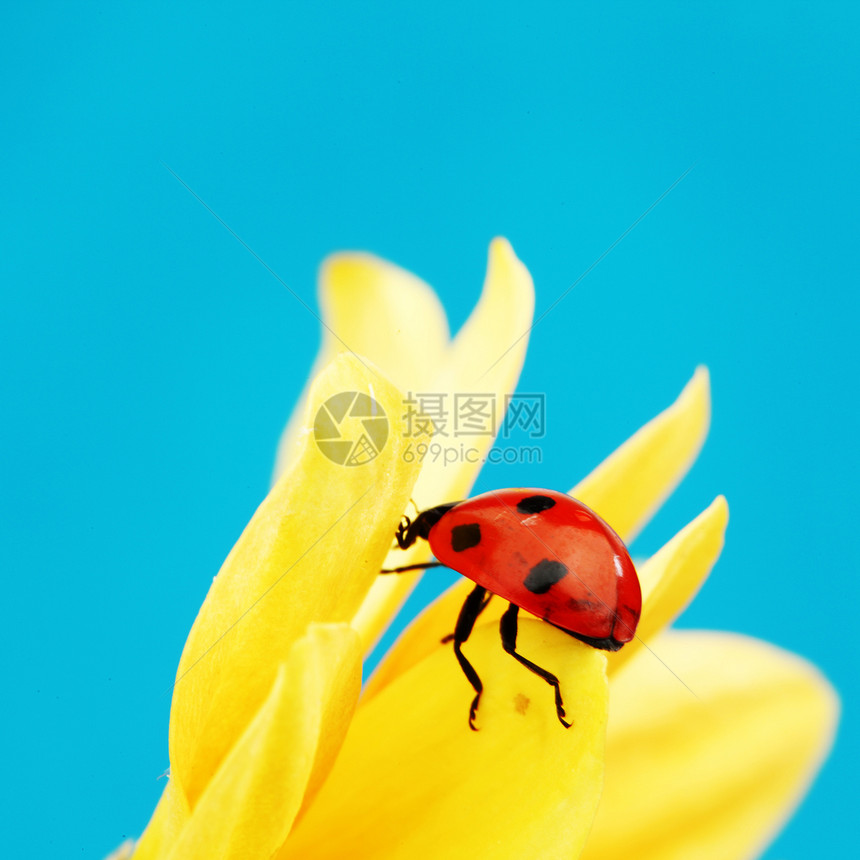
(487, 598)
(472, 608)
(422, 566)
(508, 629)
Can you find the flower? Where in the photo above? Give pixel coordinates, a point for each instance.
(710, 738)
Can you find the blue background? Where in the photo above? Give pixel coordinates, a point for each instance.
(149, 361)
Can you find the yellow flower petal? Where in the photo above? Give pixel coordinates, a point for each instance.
(490, 347)
(485, 358)
(382, 313)
(362, 296)
(413, 781)
(248, 807)
(167, 822)
(308, 554)
(711, 775)
(628, 487)
(123, 852)
(672, 576)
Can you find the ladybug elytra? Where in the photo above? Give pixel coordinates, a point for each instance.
(543, 552)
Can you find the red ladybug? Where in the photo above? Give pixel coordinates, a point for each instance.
(542, 551)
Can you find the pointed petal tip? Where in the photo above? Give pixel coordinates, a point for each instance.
(500, 246)
(342, 362)
(503, 258)
(702, 375)
(720, 508)
(510, 282)
(697, 394)
(122, 852)
(715, 516)
(341, 264)
(630, 485)
(672, 577)
(350, 283)
(832, 708)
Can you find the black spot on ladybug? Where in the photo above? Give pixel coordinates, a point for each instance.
(521, 703)
(544, 575)
(465, 536)
(587, 606)
(535, 504)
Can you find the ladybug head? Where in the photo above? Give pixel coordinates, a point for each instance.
(410, 530)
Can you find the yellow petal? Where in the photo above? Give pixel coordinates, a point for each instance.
(384, 314)
(413, 781)
(122, 852)
(485, 359)
(363, 296)
(490, 347)
(629, 486)
(248, 807)
(671, 578)
(711, 775)
(167, 822)
(308, 554)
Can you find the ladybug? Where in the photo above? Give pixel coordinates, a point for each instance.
(543, 552)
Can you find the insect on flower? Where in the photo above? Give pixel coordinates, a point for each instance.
(542, 551)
